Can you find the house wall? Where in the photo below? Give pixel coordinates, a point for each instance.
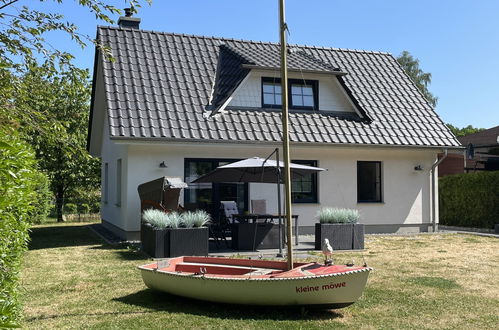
(113, 214)
(406, 202)
(331, 95)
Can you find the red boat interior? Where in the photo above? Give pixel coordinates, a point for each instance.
(223, 267)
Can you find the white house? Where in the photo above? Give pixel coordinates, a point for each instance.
(192, 103)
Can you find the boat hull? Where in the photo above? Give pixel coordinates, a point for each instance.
(323, 291)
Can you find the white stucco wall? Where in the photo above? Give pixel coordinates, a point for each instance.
(406, 192)
(331, 95)
(111, 211)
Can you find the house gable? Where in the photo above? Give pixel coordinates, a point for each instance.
(331, 96)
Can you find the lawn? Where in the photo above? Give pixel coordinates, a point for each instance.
(73, 280)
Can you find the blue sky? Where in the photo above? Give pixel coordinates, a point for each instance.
(457, 41)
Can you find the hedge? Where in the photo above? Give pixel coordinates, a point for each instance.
(469, 200)
(18, 179)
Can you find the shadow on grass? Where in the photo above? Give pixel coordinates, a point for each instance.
(124, 251)
(160, 301)
(61, 236)
(69, 236)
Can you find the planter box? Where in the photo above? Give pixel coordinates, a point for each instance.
(188, 242)
(253, 236)
(341, 236)
(170, 243)
(154, 242)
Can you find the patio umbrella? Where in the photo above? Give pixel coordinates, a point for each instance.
(255, 169)
(258, 170)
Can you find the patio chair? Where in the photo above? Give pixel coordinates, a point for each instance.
(221, 228)
(161, 194)
(228, 209)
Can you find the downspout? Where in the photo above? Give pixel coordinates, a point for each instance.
(433, 194)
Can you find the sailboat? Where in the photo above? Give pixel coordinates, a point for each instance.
(262, 282)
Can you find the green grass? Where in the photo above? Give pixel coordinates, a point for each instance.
(72, 280)
(434, 282)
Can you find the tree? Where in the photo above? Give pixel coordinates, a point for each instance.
(22, 30)
(62, 99)
(465, 130)
(46, 105)
(419, 77)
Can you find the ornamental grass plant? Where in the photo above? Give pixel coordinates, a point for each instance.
(338, 215)
(195, 219)
(174, 220)
(161, 220)
(157, 219)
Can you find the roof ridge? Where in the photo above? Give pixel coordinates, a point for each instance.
(248, 41)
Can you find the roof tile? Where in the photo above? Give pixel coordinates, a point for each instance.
(160, 83)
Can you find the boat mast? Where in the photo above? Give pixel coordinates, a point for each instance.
(285, 133)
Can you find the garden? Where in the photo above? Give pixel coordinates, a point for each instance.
(72, 279)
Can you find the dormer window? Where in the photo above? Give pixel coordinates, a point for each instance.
(302, 93)
(271, 91)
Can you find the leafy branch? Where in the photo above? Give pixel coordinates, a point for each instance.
(23, 30)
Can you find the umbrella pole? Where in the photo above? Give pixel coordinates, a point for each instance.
(279, 208)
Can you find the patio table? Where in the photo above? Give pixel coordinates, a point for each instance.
(255, 217)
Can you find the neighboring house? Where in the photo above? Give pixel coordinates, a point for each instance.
(481, 154)
(181, 105)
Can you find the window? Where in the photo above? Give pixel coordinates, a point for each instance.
(207, 196)
(106, 182)
(271, 91)
(369, 182)
(304, 189)
(302, 96)
(302, 93)
(118, 182)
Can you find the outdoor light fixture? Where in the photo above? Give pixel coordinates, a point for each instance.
(418, 168)
(162, 165)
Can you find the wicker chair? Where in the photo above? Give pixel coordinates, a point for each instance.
(161, 194)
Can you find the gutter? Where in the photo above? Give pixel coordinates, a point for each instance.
(183, 141)
(433, 194)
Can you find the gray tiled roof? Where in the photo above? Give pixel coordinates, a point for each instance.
(160, 84)
(231, 69)
(269, 56)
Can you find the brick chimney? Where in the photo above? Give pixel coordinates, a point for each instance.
(128, 21)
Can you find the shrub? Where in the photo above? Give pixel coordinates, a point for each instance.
(95, 207)
(83, 209)
(469, 200)
(83, 195)
(43, 203)
(195, 219)
(337, 215)
(17, 181)
(70, 208)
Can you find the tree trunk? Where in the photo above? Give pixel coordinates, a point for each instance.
(59, 202)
